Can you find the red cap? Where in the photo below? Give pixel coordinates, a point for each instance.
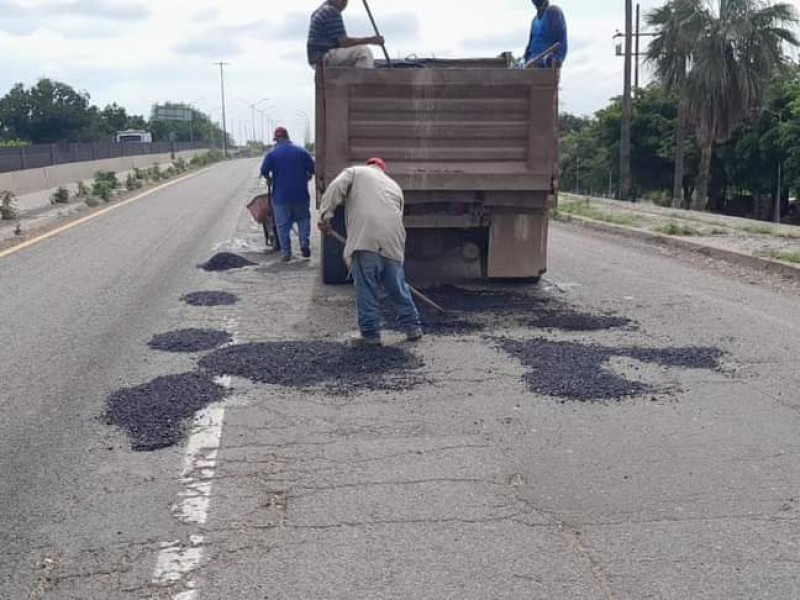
(281, 132)
(377, 162)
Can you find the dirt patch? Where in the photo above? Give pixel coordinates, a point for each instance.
(156, 415)
(337, 368)
(210, 299)
(574, 371)
(226, 261)
(190, 340)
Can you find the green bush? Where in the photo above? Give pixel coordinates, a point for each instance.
(139, 174)
(170, 172)
(180, 166)
(60, 196)
(132, 182)
(103, 190)
(108, 177)
(8, 206)
(154, 173)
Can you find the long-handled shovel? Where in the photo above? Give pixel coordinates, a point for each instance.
(342, 240)
(375, 27)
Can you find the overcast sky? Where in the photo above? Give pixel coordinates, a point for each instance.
(139, 52)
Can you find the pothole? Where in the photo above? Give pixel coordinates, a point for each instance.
(226, 261)
(157, 414)
(190, 340)
(575, 371)
(210, 299)
(335, 368)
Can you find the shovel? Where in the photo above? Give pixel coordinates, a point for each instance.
(375, 27)
(342, 240)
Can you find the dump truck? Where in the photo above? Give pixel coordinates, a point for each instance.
(474, 146)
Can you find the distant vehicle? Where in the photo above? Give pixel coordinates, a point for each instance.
(134, 136)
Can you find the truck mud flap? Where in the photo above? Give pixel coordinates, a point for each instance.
(334, 271)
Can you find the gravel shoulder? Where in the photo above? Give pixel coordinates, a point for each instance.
(729, 237)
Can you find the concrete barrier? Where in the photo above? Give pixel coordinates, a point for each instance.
(37, 180)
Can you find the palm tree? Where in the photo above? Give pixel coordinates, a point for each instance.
(677, 28)
(737, 50)
(718, 56)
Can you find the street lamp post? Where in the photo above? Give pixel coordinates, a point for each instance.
(253, 107)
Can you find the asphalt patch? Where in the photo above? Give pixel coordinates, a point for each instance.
(226, 261)
(456, 299)
(210, 299)
(190, 340)
(567, 319)
(337, 368)
(574, 371)
(157, 414)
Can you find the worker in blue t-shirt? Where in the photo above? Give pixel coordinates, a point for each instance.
(548, 27)
(288, 168)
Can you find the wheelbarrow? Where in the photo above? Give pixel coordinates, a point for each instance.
(260, 208)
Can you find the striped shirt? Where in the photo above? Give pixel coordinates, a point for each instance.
(325, 32)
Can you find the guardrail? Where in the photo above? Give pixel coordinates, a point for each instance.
(47, 155)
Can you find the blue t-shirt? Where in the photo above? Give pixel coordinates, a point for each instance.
(325, 32)
(546, 30)
(289, 167)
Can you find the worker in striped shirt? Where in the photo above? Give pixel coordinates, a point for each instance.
(329, 44)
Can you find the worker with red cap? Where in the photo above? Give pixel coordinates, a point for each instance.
(375, 250)
(288, 168)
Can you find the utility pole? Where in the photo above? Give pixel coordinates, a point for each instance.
(625, 141)
(222, 66)
(637, 53)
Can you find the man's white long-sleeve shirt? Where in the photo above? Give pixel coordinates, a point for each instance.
(373, 205)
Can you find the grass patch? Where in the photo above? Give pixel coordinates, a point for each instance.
(757, 229)
(783, 255)
(677, 230)
(587, 211)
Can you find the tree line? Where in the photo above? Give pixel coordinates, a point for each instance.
(51, 112)
(719, 129)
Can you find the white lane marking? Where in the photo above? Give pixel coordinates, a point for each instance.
(177, 561)
(199, 466)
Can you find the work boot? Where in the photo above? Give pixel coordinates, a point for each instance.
(359, 341)
(286, 258)
(306, 252)
(414, 336)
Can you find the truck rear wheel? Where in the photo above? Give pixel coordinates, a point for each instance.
(334, 271)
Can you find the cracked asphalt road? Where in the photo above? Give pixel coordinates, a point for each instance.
(467, 486)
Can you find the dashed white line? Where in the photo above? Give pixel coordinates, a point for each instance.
(178, 560)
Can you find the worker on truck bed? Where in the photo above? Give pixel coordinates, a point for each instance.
(288, 168)
(375, 250)
(549, 27)
(329, 44)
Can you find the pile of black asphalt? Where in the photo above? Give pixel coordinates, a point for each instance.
(470, 311)
(336, 368)
(190, 340)
(226, 261)
(210, 299)
(157, 414)
(574, 371)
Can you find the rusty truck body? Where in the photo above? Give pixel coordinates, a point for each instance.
(472, 143)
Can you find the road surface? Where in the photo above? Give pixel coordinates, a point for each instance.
(454, 476)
